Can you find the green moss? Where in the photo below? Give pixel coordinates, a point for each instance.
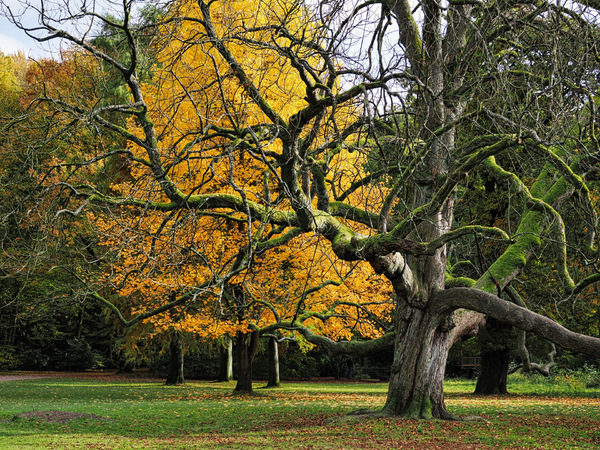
(341, 209)
(452, 282)
(342, 243)
(514, 258)
(420, 407)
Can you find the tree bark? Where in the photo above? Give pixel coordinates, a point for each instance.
(247, 346)
(526, 363)
(175, 375)
(273, 380)
(495, 358)
(226, 361)
(423, 338)
(417, 375)
(522, 318)
(493, 372)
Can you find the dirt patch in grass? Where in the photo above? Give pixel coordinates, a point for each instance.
(102, 375)
(21, 377)
(58, 416)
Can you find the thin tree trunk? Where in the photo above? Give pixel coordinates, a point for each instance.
(175, 375)
(247, 346)
(273, 363)
(79, 328)
(10, 339)
(226, 360)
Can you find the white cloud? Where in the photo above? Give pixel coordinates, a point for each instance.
(12, 39)
(9, 45)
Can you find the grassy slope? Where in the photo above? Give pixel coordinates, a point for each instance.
(561, 413)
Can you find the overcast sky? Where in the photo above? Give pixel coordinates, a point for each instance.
(12, 39)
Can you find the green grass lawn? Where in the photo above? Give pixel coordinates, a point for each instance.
(142, 414)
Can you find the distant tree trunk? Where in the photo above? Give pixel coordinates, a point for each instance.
(273, 363)
(527, 365)
(247, 346)
(493, 372)
(79, 327)
(175, 375)
(495, 358)
(127, 367)
(226, 360)
(11, 331)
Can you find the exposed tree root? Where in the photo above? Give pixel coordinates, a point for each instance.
(358, 414)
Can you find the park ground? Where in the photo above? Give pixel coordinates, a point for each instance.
(101, 410)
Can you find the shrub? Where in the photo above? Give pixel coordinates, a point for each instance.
(33, 359)
(77, 356)
(8, 358)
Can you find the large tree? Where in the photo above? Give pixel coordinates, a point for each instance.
(402, 106)
(233, 280)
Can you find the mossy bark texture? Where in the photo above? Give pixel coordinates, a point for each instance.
(417, 376)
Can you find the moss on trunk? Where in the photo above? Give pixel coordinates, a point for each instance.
(417, 376)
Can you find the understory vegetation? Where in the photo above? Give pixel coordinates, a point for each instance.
(111, 412)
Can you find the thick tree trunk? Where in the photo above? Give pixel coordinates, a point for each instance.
(417, 376)
(273, 363)
(493, 372)
(247, 346)
(226, 361)
(175, 375)
(495, 345)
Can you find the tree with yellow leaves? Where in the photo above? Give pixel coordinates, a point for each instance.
(160, 258)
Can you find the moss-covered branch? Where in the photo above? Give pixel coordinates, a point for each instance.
(579, 287)
(528, 235)
(354, 347)
(143, 316)
(522, 318)
(384, 243)
(279, 240)
(346, 211)
(409, 32)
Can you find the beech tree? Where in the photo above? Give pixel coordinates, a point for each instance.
(403, 108)
(154, 261)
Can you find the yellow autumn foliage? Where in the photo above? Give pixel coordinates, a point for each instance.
(193, 100)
